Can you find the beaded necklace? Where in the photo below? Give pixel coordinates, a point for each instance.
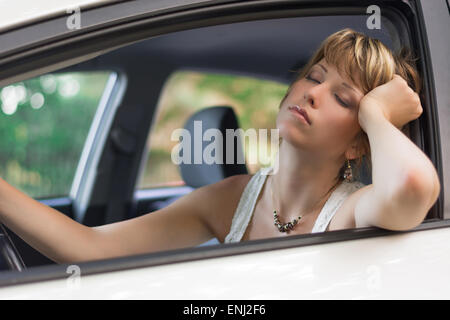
(286, 227)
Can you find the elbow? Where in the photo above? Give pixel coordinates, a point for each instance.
(417, 194)
(421, 187)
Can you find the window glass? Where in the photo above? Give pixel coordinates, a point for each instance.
(44, 123)
(254, 101)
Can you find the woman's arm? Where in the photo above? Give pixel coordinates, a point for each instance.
(181, 224)
(405, 182)
(45, 229)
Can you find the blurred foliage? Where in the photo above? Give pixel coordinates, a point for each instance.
(44, 123)
(254, 101)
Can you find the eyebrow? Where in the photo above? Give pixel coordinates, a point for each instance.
(343, 83)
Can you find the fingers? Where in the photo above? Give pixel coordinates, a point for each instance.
(415, 97)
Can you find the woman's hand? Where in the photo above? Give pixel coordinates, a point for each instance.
(394, 100)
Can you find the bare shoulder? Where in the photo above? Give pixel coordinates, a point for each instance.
(345, 216)
(220, 202)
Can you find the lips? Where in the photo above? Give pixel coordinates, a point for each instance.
(301, 111)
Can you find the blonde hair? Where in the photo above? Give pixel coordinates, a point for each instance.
(354, 53)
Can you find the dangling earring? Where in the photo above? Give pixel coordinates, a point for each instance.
(348, 174)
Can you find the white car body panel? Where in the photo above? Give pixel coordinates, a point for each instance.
(372, 268)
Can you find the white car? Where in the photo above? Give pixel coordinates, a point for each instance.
(89, 87)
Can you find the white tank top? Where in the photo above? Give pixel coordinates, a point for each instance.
(246, 206)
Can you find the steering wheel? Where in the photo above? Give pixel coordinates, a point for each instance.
(10, 259)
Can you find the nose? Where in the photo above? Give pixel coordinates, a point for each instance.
(312, 94)
(309, 100)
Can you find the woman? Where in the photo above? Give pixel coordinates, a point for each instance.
(350, 100)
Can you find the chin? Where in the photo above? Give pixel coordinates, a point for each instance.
(292, 135)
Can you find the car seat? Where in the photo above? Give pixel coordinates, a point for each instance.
(220, 118)
(198, 175)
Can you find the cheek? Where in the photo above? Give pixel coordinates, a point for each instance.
(339, 124)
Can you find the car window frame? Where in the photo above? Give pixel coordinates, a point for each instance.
(84, 179)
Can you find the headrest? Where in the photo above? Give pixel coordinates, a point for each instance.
(220, 118)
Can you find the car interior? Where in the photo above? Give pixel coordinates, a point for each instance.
(271, 49)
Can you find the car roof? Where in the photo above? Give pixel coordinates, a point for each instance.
(21, 12)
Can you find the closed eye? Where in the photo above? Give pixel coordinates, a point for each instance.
(339, 100)
(311, 79)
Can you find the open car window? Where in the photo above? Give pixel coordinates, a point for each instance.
(44, 123)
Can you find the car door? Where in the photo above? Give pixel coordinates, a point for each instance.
(112, 185)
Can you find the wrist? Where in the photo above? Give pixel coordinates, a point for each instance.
(370, 114)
